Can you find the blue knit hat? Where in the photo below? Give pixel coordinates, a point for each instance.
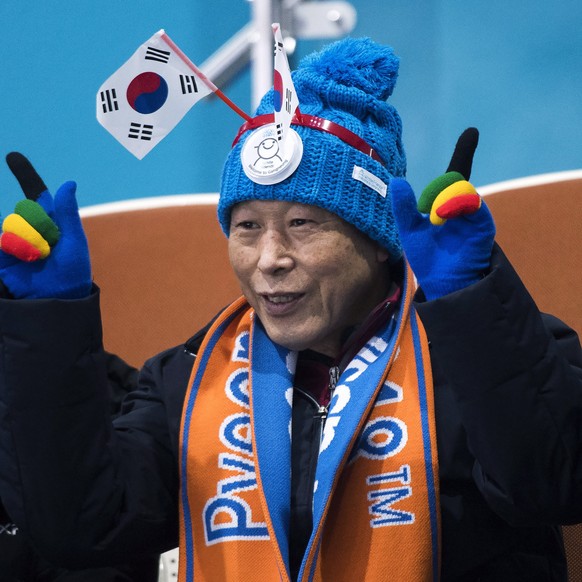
(346, 83)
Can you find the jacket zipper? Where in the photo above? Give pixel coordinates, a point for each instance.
(334, 374)
(322, 410)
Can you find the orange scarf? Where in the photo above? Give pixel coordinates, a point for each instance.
(375, 504)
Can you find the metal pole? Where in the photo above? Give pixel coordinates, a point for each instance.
(261, 50)
(232, 57)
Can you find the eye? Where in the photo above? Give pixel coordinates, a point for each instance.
(299, 221)
(246, 225)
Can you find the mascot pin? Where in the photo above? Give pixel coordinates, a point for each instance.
(267, 159)
(273, 151)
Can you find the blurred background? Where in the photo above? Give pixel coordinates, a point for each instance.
(513, 69)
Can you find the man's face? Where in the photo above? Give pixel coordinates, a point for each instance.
(308, 274)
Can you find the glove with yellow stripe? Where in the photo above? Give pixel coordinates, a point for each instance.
(44, 250)
(448, 235)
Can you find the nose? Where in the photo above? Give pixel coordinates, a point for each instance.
(275, 254)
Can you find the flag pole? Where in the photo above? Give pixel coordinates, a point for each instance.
(204, 78)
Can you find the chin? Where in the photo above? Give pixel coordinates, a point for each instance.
(289, 343)
(287, 340)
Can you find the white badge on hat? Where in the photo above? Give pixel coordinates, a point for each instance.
(266, 159)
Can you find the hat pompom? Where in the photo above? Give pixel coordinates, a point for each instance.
(359, 63)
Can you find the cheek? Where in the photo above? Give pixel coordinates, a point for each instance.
(332, 271)
(336, 260)
(241, 262)
(345, 278)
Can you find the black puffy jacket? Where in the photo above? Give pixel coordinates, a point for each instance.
(20, 562)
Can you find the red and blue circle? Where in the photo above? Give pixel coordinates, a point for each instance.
(277, 90)
(147, 93)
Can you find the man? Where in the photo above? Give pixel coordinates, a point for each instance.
(329, 425)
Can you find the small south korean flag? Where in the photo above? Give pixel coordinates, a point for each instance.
(285, 96)
(147, 97)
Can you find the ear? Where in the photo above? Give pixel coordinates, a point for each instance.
(381, 253)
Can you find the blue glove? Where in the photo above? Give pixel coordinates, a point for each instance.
(64, 270)
(448, 241)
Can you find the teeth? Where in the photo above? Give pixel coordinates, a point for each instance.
(281, 299)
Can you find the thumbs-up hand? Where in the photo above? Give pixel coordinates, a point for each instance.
(448, 235)
(44, 250)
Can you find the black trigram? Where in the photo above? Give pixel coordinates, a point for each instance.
(188, 83)
(139, 131)
(278, 47)
(154, 54)
(279, 128)
(109, 101)
(288, 97)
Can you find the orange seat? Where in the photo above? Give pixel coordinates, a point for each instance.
(539, 226)
(162, 266)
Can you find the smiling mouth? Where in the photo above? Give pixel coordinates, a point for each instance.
(280, 298)
(281, 304)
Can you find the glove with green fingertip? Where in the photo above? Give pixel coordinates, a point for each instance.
(448, 235)
(44, 251)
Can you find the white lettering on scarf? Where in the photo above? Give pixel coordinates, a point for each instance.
(384, 437)
(226, 516)
(382, 499)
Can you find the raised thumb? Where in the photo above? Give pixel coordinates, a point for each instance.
(404, 205)
(66, 208)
